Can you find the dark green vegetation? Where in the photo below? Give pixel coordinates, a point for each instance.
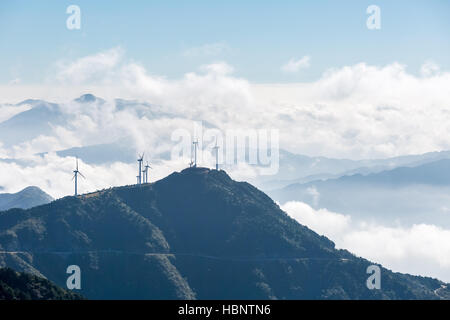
(195, 234)
(27, 198)
(22, 286)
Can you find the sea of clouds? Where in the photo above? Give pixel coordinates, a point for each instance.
(358, 111)
(421, 249)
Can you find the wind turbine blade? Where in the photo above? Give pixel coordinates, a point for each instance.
(81, 174)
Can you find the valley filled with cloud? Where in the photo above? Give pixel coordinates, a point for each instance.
(421, 249)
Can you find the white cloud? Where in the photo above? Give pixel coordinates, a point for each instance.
(363, 111)
(15, 81)
(429, 68)
(95, 67)
(219, 68)
(322, 221)
(358, 111)
(420, 249)
(294, 65)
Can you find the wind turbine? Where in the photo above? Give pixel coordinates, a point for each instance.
(76, 172)
(191, 163)
(216, 149)
(145, 172)
(140, 159)
(195, 143)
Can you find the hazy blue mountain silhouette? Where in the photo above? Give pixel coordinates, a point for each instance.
(44, 116)
(29, 124)
(89, 98)
(142, 109)
(410, 195)
(24, 199)
(103, 153)
(300, 169)
(194, 234)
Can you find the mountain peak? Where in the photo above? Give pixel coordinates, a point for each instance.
(31, 189)
(26, 198)
(196, 234)
(88, 98)
(193, 174)
(196, 170)
(203, 171)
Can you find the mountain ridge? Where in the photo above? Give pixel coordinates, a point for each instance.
(196, 234)
(412, 195)
(436, 170)
(26, 198)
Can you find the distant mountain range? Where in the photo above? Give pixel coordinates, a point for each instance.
(294, 168)
(298, 169)
(31, 123)
(26, 198)
(22, 286)
(43, 116)
(409, 195)
(196, 234)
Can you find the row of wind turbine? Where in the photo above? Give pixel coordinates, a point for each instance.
(142, 176)
(193, 163)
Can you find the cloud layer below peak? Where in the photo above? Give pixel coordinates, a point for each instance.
(421, 249)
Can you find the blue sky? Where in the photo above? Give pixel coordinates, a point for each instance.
(258, 37)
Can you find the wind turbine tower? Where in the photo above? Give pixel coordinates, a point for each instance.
(76, 172)
(216, 150)
(191, 163)
(139, 177)
(195, 143)
(145, 172)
